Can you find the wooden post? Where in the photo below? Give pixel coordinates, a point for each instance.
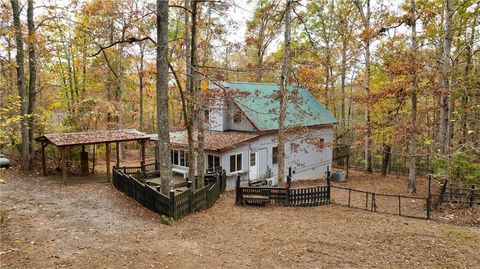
(142, 150)
(157, 158)
(143, 169)
(328, 185)
(289, 177)
(44, 167)
(429, 198)
(237, 190)
(472, 193)
(399, 206)
(64, 164)
(172, 203)
(117, 153)
(94, 158)
(107, 159)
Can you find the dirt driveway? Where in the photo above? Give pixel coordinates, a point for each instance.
(88, 224)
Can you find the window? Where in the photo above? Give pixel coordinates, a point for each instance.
(213, 161)
(237, 117)
(274, 155)
(182, 158)
(179, 157)
(253, 159)
(235, 163)
(322, 143)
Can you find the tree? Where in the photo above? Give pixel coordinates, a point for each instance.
(21, 86)
(162, 96)
(262, 30)
(444, 127)
(413, 138)
(32, 82)
(367, 35)
(282, 95)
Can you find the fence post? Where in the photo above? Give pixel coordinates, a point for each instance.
(289, 177)
(374, 203)
(223, 180)
(172, 203)
(289, 184)
(328, 186)
(399, 206)
(237, 190)
(472, 193)
(429, 198)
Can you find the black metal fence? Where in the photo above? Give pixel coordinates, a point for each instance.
(175, 205)
(396, 204)
(451, 193)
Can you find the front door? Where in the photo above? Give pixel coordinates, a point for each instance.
(253, 165)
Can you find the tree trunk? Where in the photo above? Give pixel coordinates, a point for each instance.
(282, 97)
(32, 82)
(368, 140)
(387, 155)
(365, 16)
(444, 102)
(140, 78)
(188, 118)
(413, 136)
(70, 77)
(466, 87)
(343, 73)
(197, 98)
(21, 86)
(162, 96)
(121, 72)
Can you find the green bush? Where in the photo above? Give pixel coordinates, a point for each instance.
(465, 167)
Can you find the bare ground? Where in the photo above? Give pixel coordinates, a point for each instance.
(88, 224)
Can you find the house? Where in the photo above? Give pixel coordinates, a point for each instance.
(241, 131)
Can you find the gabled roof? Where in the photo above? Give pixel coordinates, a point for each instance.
(257, 101)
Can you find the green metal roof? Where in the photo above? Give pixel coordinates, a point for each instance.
(259, 105)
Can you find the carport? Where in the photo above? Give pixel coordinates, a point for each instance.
(64, 141)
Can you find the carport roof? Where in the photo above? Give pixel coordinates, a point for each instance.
(92, 137)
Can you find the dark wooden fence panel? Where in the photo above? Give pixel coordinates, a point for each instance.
(175, 205)
(199, 199)
(182, 204)
(310, 196)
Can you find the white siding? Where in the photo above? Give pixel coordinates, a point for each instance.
(306, 159)
(217, 120)
(244, 125)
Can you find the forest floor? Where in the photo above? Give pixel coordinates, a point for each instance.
(88, 224)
